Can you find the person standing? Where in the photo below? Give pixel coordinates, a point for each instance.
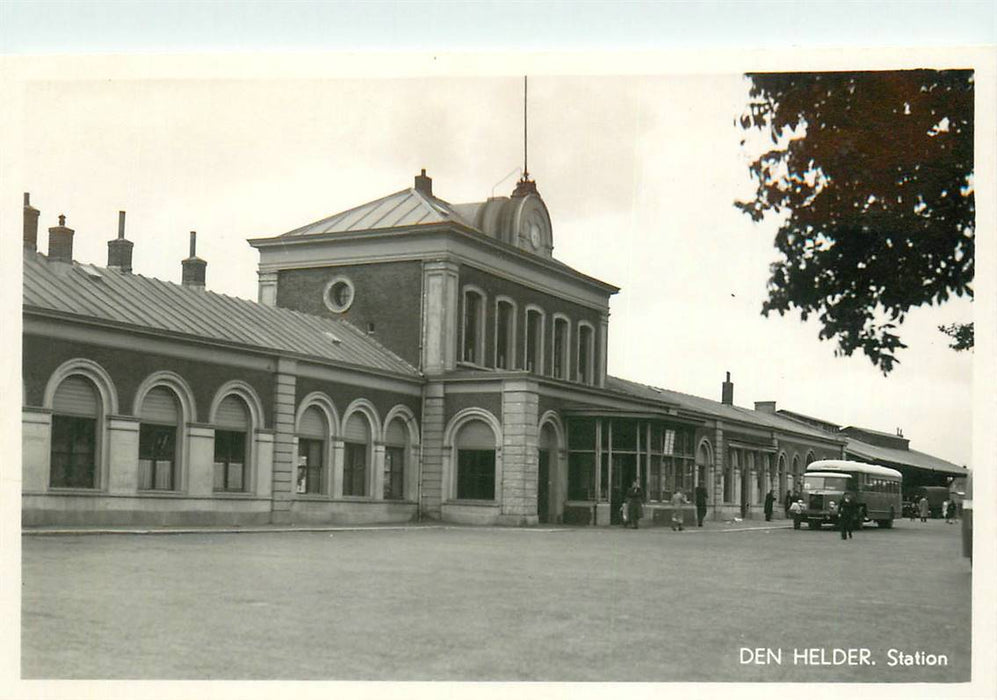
(635, 504)
(847, 515)
(700, 504)
(923, 508)
(788, 502)
(769, 503)
(678, 501)
(796, 510)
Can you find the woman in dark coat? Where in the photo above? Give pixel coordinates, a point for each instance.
(635, 504)
(769, 502)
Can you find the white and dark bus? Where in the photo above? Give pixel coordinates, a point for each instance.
(876, 490)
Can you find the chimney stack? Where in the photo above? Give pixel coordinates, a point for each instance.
(193, 267)
(30, 224)
(765, 406)
(727, 392)
(119, 250)
(60, 242)
(424, 184)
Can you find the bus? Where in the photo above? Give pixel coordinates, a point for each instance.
(877, 491)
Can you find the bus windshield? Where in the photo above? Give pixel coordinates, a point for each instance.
(827, 483)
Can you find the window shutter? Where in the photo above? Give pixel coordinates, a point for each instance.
(476, 435)
(356, 429)
(312, 424)
(232, 414)
(396, 433)
(160, 406)
(78, 396)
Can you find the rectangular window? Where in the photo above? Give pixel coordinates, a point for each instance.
(230, 460)
(503, 335)
(394, 473)
(476, 474)
(311, 467)
(581, 476)
(472, 320)
(156, 457)
(534, 333)
(355, 469)
(74, 445)
(560, 355)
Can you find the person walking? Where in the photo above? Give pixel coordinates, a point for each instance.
(678, 500)
(769, 503)
(950, 511)
(848, 513)
(700, 504)
(923, 508)
(796, 511)
(635, 504)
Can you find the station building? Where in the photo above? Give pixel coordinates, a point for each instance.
(406, 359)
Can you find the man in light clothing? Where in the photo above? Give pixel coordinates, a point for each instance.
(678, 501)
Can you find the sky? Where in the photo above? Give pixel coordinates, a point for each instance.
(639, 173)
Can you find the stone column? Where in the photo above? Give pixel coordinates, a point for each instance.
(336, 468)
(36, 450)
(520, 452)
(267, 288)
(284, 458)
(719, 459)
(122, 454)
(439, 314)
(377, 483)
(431, 492)
(600, 363)
(201, 460)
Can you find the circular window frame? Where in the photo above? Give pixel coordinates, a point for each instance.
(327, 296)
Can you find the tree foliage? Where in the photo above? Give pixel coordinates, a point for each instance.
(873, 172)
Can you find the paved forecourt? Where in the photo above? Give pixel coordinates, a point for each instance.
(730, 602)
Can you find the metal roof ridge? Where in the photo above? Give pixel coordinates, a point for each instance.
(342, 213)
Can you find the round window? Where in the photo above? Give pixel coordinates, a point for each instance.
(338, 294)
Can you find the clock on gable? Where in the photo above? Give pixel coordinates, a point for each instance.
(532, 223)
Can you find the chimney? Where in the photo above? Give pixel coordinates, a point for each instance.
(30, 224)
(119, 250)
(60, 242)
(727, 394)
(424, 184)
(193, 267)
(763, 406)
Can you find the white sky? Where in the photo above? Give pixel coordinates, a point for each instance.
(639, 174)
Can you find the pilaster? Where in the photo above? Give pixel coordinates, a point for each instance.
(520, 451)
(431, 490)
(439, 316)
(267, 288)
(284, 457)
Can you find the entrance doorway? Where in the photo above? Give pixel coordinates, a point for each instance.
(624, 474)
(543, 486)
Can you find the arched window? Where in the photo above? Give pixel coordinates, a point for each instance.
(475, 447)
(561, 347)
(356, 455)
(232, 430)
(76, 418)
(704, 464)
(395, 450)
(586, 353)
(533, 360)
(473, 329)
(158, 441)
(505, 334)
(796, 471)
(811, 458)
(313, 441)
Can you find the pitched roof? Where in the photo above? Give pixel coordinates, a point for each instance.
(717, 409)
(399, 210)
(129, 300)
(907, 458)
